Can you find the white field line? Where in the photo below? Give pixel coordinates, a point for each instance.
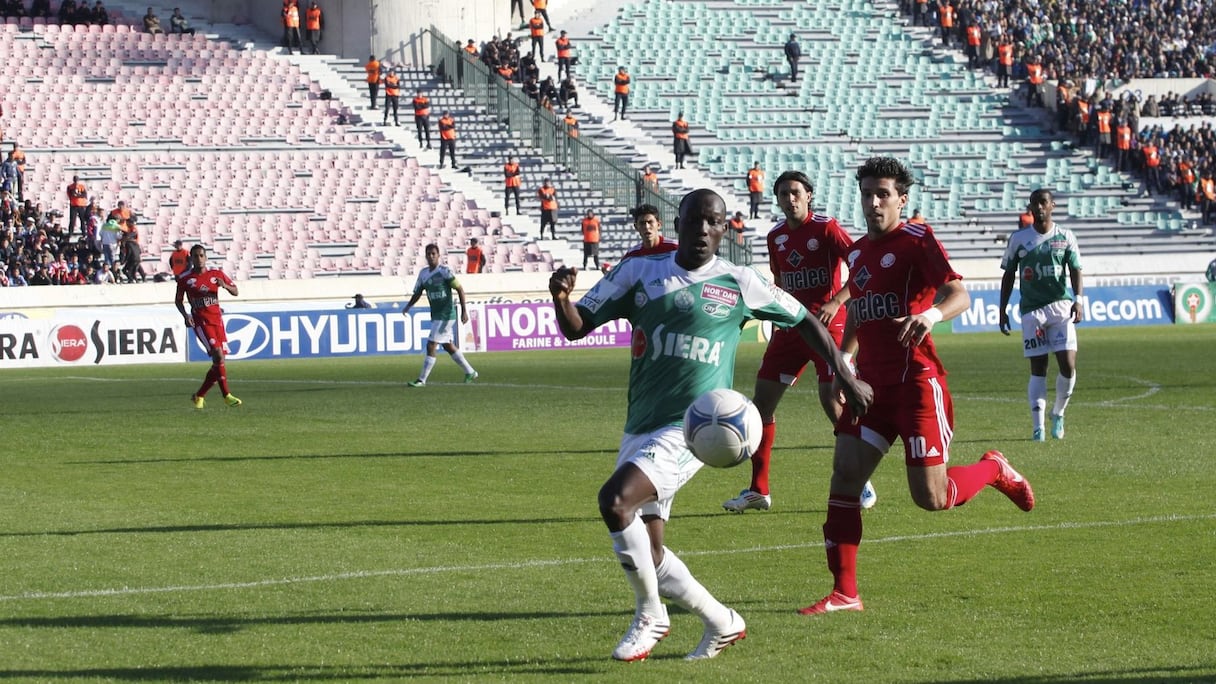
(1151, 388)
(561, 562)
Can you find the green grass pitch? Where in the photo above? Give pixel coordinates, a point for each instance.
(342, 527)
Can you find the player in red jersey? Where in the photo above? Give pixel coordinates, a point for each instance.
(201, 286)
(805, 253)
(897, 272)
(650, 229)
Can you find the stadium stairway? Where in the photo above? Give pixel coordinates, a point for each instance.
(870, 87)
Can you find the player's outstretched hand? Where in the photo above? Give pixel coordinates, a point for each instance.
(562, 281)
(858, 395)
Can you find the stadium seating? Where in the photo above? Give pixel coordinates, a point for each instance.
(866, 87)
(231, 147)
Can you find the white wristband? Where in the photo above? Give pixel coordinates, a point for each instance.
(849, 366)
(934, 315)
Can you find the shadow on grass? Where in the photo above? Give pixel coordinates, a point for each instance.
(240, 527)
(552, 667)
(306, 457)
(297, 673)
(211, 624)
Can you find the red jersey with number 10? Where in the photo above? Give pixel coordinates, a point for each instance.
(202, 290)
(894, 276)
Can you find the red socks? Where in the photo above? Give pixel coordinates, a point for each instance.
(967, 481)
(841, 537)
(221, 375)
(217, 373)
(761, 459)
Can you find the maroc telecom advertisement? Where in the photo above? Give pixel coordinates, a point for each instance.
(1100, 306)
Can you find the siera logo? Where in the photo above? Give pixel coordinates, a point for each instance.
(68, 343)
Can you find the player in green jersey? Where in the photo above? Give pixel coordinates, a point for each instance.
(438, 282)
(1047, 259)
(686, 308)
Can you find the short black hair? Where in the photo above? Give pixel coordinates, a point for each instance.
(1041, 193)
(644, 209)
(796, 176)
(887, 167)
(693, 196)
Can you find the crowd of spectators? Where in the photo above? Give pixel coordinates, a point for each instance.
(1083, 49)
(36, 248)
(503, 56)
(69, 12)
(1107, 42)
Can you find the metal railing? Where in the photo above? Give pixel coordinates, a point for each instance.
(544, 130)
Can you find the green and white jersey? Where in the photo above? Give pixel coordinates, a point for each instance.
(1040, 260)
(438, 283)
(686, 327)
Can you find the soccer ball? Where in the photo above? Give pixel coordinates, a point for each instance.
(722, 428)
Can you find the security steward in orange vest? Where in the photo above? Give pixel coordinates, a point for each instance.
(1152, 167)
(1034, 82)
(447, 138)
(422, 117)
(736, 225)
(19, 158)
(974, 35)
(511, 178)
(1004, 62)
(620, 92)
(1187, 189)
(755, 189)
(542, 8)
(591, 239)
(392, 94)
(179, 260)
(1207, 196)
(536, 28)
(548, 208)
(312, 26)
(1123, 144)
(373, 78)
(565, 52)
(571, 124)
(291, 26)
(78, 205)
(945, 18)
(1063, 102)
(650, 179)
(475, 258)
(679, 140)
(1104, 132)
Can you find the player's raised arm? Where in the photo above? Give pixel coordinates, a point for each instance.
(857, 393)
(569, 320)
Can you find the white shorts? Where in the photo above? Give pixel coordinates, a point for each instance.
(443, 332)
(1049, 329)
(664, 457)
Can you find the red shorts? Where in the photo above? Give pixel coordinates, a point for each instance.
(919, 411)
(788, 354)
(211, 335)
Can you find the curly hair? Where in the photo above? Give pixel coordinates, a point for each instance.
(887, 167)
